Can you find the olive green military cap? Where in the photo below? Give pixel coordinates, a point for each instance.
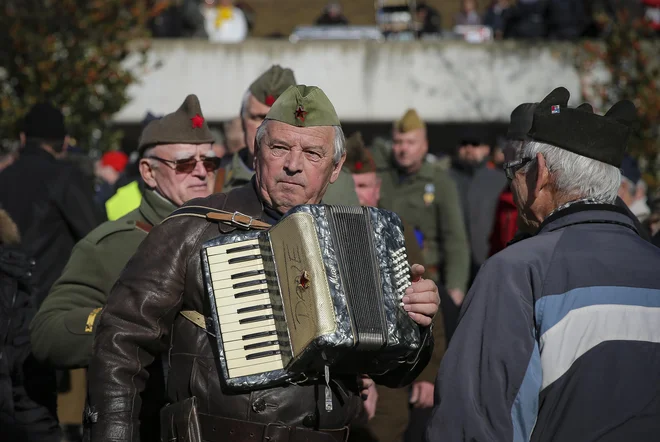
(185, 126)
(304, 106)
(358, 158)
(409, 122)
(271, 84)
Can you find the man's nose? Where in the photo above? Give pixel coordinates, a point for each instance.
(199, 170)
(294, 161)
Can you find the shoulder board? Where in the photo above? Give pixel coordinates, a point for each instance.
(110, 228)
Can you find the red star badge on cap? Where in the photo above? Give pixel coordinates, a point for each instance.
(300, 113)
(270, 100)
(358, 166)
(197, 121)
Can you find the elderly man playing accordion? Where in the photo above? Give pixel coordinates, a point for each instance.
(160, 307)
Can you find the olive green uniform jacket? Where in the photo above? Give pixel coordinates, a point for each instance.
(341, 191)
(429, 200)
(62, 332)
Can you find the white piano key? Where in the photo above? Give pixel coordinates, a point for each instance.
(256, 369)
(242, 362)
(225, 306)
(237, 317)
(227, 327)
(224, 258)
(228, 336)
(221, 293)
(223, 247)
(240, 344)
(242, 354)
(233, 273)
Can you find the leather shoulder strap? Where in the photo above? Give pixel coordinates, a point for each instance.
(236, 219)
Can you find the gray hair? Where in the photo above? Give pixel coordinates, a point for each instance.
(339, 142)
(147, 153)
(575, 175)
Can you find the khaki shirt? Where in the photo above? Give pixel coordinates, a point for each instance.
(429, 200)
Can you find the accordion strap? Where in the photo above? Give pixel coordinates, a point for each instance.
(236, 219)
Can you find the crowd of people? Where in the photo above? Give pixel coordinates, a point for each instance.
(229, 21)
(533, 267)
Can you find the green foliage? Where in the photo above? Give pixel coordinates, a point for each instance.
(72, 53)
(633, 63)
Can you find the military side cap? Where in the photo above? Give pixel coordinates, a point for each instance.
(271, 84)
(358, 157)
(580, 130)
(185, 126)
(304, 106)
(409, 122)
(521, 121)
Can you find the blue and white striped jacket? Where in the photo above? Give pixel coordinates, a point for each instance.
(559, 339)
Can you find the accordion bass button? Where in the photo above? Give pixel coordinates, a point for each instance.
(259, 405)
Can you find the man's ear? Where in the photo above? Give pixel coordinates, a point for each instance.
(147, 173)
(542, 175)
(23, 138)
(337, 169)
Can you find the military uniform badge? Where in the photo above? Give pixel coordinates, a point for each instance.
(429, 194)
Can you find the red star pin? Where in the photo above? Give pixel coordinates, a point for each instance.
(270, 100)
(300, 113)
(197, 121)
(358, 166)
(304, 280)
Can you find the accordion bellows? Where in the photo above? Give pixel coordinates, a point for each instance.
(322, 287)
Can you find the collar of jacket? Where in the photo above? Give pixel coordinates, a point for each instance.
(243, 199)
(581, 213)
(154, 208)
(34, 149)
(426, 172)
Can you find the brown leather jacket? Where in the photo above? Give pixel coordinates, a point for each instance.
(141, 321)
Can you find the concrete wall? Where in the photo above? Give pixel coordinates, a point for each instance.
(366, 81)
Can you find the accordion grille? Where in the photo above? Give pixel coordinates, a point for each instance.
(360, 275)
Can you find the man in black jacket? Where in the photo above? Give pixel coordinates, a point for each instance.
(50, 200)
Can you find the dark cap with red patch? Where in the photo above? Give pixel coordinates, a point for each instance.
(185, 126)
(271, 84)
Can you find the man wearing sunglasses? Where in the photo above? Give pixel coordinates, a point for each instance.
(177, 164)
(558, 339)
(160, 305)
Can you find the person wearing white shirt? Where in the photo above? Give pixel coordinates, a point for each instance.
(224, 23)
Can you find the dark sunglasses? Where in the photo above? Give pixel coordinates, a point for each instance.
(512, 167)
(187, 165)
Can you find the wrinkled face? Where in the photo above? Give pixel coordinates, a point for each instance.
(409, 149)
(253, 115)
(174, 185)
(294, 165)
(367, 187)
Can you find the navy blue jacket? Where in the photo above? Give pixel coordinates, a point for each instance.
(559, 338)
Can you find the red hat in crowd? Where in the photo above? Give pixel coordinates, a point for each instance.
(115, 159)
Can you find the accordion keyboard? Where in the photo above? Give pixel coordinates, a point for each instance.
(245, 313)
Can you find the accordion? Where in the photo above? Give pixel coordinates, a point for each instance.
(319, 290)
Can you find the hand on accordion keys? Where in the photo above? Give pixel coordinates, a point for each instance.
(422, 299)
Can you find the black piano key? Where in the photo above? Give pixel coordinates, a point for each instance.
(263, 354)
(241, 285)
(254, 308)
(250, 293)
(243, 248)
(243, 259)
(259, 335)
(255, 319)
(246, 274)
(260, 345)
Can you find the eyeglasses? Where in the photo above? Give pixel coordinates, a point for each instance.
(187, 165)
(512, 167)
